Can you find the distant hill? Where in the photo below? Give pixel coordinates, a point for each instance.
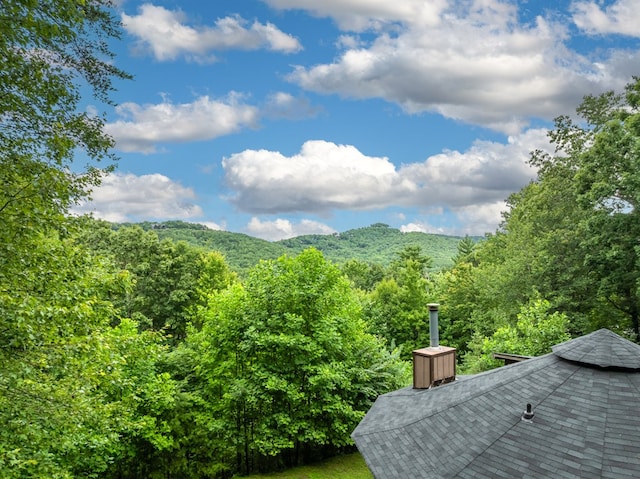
(377, 243)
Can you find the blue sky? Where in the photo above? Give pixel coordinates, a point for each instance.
(278, 118)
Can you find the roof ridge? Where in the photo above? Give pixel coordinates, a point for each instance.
(602, 348)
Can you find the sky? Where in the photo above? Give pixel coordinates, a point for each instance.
(279, 118)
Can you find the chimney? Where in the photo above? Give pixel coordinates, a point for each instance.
(434, 336)
(436, 364)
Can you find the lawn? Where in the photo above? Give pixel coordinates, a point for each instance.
(351, 466)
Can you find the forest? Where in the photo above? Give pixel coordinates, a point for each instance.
(377, 244)
(124, 354)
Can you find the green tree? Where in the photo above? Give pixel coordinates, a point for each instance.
(410, 256)
(466, 250)
(363, 275)
(570, 235)
(54, 360)
(287, 366)
(601, 156)
(141, 397)
(54, 296)
(49, 51)
(534, 333)
(172, 279)
(397, 310)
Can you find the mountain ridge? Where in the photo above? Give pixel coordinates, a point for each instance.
(377, 243)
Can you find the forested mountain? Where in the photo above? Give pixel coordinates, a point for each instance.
(377, 243)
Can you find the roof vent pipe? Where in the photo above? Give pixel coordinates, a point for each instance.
(433, 325)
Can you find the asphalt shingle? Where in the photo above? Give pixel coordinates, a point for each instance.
(584, 397)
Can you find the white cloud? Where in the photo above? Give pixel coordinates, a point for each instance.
(416, 228)
(485, 173)
(472, 220)
(325, 176)
(621, 17)
(165, 34)
(426, 227)
(282, 229)
(212, 226)
(127, 197)
(281, 105)
(141, 127)
(348, 42)
(475, 62)
(478, 219)
(359, 15)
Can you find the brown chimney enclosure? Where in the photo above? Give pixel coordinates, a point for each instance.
(436, 364)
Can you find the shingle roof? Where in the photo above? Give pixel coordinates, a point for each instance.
(601, 348)
(586, 423)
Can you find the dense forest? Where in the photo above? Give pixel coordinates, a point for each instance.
(125, 354)
(377, 243)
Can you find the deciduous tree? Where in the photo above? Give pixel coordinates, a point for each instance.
(288, 365)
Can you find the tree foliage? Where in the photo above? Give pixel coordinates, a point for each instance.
(288, 364)
(55, 312)
(534, 333)
(72, 387)
(49, 51)
(171, 279)
(569, 237)
(377, 244)
(601, 156)
(397, 310)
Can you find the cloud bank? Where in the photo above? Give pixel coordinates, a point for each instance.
(278, 229)
(324, 177)
(472, 61)
(620, 17)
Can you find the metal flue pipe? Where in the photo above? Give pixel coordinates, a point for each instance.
(434, 337)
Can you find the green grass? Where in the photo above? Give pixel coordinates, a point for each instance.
(351, 466)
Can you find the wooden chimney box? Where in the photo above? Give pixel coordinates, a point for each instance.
(433, 366)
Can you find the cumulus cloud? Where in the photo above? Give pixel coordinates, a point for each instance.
(472, 220)
(484, 174)
(620, 17)
(166, 35)
(128, 198)
(478, 219)
(324, 176)
(141, 127)
(426, 227)
(359, 15)
(474, 62)
(279, 229)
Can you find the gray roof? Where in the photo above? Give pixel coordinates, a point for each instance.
(601, 348)
(586, 425)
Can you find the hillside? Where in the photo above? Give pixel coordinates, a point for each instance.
(377, 243)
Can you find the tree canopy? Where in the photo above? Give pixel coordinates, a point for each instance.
(287, 363)
(49, 52)
(569, 237)
(54, 297)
